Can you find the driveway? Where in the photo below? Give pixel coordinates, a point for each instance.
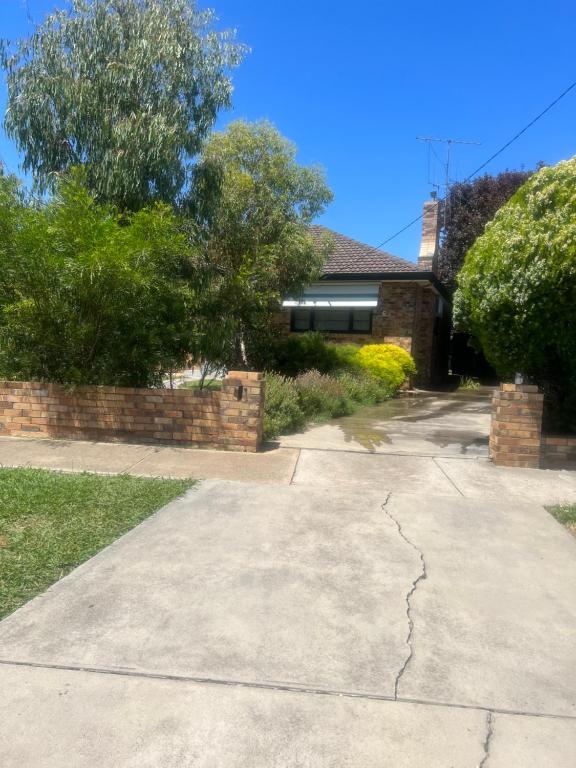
(372, 609)
(427, 424)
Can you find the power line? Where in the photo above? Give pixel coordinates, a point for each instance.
(492, 157)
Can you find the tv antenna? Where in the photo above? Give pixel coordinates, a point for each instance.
(430, 141)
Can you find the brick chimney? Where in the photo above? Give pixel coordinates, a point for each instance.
(428, 256)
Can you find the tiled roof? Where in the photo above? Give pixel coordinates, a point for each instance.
(352, 257)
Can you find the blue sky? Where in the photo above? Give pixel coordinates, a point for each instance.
(354, 84)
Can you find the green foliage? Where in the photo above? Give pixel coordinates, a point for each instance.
(282, 412)
(291, 402)
(388, 363)
(565, 514)
(250, 205)
(469, 207)
(127, 88)
(346, 356)
(321, 394)
(517, 289)
(51, 522)
(90, 296)
(363, 389)
(301, 352)
(468, 383)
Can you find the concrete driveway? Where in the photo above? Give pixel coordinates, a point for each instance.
(426, 424)
(366, 610)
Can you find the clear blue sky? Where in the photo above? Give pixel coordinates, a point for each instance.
(353, 84)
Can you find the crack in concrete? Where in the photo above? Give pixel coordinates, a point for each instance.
(488, 740)
(423, 575)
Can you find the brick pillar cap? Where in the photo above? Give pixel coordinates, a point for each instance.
(518, 388)
(251, 375)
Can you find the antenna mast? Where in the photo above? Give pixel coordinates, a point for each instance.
(429, 140)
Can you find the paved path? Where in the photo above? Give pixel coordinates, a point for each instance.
(357, 610)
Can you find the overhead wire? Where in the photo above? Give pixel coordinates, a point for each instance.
(489, 160)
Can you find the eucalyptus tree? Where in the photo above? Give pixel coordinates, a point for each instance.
(250, 206)
(127, 88)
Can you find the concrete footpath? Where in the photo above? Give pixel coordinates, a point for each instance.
(304, 608)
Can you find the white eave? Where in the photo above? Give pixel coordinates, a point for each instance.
(337, 295)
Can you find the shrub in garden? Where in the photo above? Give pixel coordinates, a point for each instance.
(363, 389)
(321, 394)
(346, 356)
(388, 363)
(89, 295)
(302, 352)
(282, 412)
(517, 290)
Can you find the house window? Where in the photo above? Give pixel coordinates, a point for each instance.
(332, 320)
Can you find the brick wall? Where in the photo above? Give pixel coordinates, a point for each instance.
(558, 451)
(516, 426)
(428, 255)
(228, 419)
(424, 337)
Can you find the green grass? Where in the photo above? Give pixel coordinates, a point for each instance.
(50, 522)
(565, 514)
(213, 386)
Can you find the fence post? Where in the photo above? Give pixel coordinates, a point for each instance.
(242, 408)
(516, 428)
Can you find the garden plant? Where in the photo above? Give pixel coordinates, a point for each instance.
(517, 290)
(340, 378)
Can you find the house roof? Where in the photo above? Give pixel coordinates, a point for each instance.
(355, 258)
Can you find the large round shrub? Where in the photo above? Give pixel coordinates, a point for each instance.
(517, 290)
(388, 363)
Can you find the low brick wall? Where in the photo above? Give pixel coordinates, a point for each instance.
(516, 438)
(516, 425)
(229, 419)
(558, 451)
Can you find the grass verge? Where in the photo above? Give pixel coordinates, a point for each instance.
(51, 522)
(565, 514)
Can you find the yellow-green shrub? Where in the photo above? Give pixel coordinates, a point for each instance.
(387, 362)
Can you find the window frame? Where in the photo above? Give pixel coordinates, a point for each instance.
(312, 320)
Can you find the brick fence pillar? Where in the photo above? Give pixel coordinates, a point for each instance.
(516, 429)
(242, 408)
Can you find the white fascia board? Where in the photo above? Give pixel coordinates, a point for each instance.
(368, 303)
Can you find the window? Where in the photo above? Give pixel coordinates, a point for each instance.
(332, 320)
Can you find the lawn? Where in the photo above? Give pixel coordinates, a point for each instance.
(566, 514)
(50, 522)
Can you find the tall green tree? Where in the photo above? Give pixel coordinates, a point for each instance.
(517, 290)
(469, 207)
(251, 204)
(127, 88)
(89, 295)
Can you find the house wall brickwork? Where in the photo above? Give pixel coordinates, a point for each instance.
(231, 418)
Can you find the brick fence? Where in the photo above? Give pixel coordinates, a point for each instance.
(230, 418)
(516, 438)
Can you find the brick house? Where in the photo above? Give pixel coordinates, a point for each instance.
(368, 296)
